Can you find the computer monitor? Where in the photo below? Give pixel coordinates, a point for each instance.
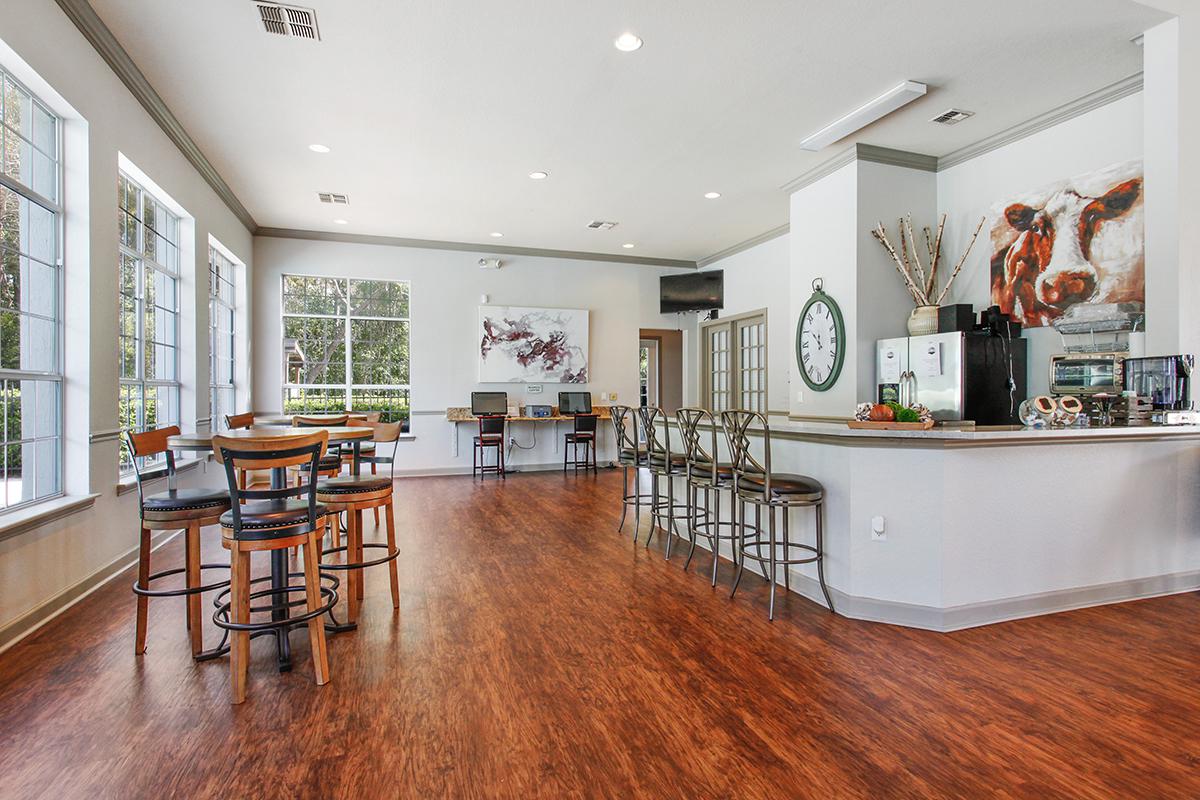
(489, 403)
(574, 403)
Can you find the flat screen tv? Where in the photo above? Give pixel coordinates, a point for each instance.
(697, 291)
(483, 403)
(574, 403)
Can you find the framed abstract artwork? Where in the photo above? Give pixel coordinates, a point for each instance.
(533, 345)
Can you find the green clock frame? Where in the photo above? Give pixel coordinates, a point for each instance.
(839, 324)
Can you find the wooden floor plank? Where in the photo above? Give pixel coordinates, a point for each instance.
(538, 653)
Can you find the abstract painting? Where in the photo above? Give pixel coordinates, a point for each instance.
(1080, 240)
(533, 345)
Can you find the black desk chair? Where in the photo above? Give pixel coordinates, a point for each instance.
(584, 433)
(491, 435)
(754, 483)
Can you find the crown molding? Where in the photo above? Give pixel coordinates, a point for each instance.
(753, 241)
(1082, 105)
(469, 247)
(105, 43)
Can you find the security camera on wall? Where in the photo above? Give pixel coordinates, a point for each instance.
(489, 263)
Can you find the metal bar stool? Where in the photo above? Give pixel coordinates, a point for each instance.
(273, 519)
(584, 433)
(754, 483)
(354, 494)
(707, 475)
(189, 509)
(631, 454)
(663, 463)
(491, 434)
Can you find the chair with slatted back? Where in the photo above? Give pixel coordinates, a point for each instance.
(237, 422)
(266, 520)
(664, 464)
(354, 494)
(583, 433)
(755, 483)
(631, 455)
(173, 509)
(331, 463)
(707, 476)
(491, 435)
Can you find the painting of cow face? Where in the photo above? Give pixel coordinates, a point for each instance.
(1078, 241)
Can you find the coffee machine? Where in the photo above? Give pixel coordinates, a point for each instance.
(1164, 381)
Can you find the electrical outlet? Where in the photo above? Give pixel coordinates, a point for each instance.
(878, 529)
(799, 397)
(612, 396)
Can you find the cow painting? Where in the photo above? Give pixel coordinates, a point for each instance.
(1078, 241)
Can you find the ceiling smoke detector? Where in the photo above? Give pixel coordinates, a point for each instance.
(283, 20)
(600, 225)
(952, 116)
(333, 197)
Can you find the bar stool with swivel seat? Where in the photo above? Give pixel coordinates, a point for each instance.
(663, 462)
(268, 520)
(631, 454)
(354, 494)
(754, 483)
(189, 509)
(491, 435)
(709, 476)
(584, 433)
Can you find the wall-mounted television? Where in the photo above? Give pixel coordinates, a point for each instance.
(696, 291)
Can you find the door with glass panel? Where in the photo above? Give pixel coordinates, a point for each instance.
(735, 363)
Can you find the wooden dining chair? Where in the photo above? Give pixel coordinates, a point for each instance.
(272, 519)
(189, 509)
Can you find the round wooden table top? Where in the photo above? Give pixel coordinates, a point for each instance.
(286, 419)
(203, 441)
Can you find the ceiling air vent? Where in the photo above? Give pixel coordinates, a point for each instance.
(952, 116)
(333, 197)
(288, 20)
(600, 225)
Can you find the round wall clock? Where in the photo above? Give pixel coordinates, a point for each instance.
(820, 340)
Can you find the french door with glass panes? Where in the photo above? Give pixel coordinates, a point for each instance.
(735, 363)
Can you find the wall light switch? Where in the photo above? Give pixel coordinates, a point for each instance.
(878, 529)
(799, 397)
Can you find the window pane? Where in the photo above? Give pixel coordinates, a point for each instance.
(314, 350)
(305, 295)
(299, 400)
(392, 403)
(379, 299)
(379, 351)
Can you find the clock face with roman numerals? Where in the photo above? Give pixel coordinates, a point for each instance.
(820, 342)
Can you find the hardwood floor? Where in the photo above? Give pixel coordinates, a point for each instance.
(537, 653)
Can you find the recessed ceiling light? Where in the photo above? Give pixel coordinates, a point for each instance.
(628, 245)
(627, 42)
(539, 175)
(341, 222)
(318, 148)
(711, 195)
(496, 234)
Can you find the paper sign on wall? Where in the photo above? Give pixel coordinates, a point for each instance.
(929, 360)
(889, 365)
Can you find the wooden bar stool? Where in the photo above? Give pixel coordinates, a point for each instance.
(584, 433)
(707, 476)
(491, 434)
(189, 509)
(754, 483)
(330, 465)
(631, 454)
(273, 519)
(663, 464)
(354, 494)
(237, 422)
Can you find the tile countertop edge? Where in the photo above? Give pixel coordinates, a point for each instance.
(34, 516)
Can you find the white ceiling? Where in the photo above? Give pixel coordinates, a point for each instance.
(437, 110)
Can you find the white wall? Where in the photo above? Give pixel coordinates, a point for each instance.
(446, 289)
(759, 278)
(965, 192)
(45, 50)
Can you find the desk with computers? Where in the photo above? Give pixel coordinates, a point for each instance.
(494, 414)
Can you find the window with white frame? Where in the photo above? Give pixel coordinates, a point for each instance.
(735, 363)
(31, 376)
(222, 283)
(148, 262)
(345, 346)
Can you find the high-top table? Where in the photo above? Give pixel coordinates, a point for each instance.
(202, 443)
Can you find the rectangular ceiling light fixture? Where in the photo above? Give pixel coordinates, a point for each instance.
(899, 95)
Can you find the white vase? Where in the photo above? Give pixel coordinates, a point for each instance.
(923, 320)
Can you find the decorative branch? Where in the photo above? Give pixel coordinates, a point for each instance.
(958, 266)
(918, 272)
(937, 254)
(918, 296)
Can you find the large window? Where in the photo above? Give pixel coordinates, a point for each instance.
(30, 289)
(149, 311)
(735, 363)
(221, 308)
(345, 346)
